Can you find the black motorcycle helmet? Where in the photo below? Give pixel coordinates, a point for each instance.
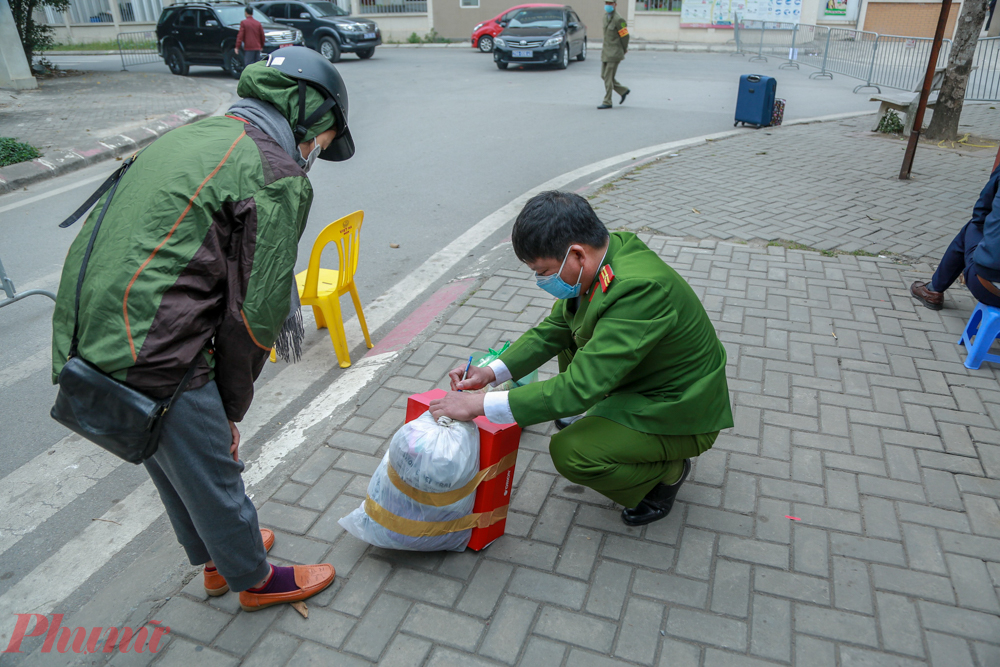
(309, 67)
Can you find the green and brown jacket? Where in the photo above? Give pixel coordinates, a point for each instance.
(195, 256)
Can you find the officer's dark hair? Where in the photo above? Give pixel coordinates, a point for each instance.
(553, 221)
(248, 11)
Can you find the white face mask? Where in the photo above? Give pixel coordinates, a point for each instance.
(313, 154)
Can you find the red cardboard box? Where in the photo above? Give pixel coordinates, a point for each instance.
(496, 441)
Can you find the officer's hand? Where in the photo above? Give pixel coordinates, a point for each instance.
(476, 379)
(236, 50)
(458, 406)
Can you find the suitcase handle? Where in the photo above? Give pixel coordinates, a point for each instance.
(753, 78)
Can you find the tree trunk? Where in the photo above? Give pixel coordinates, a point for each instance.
(944, 123)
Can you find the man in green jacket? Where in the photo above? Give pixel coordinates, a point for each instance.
(636, 351)
(193, 266)
(613, 50)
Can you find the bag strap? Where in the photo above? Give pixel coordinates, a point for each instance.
(184, 383)
(112, 185)
(112, 179)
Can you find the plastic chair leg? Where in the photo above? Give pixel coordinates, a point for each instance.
(361, 316)
(320, 319)
(335, 324)
(273, 356)
(979, 351)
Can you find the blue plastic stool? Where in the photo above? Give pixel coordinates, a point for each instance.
(985, 326)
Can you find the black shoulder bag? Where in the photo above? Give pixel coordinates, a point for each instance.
(105, 411)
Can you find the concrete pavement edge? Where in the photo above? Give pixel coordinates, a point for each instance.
(59, 162)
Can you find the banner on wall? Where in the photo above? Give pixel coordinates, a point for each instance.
(710, 13)
(722, 13)
(776, 11)
(836, 8)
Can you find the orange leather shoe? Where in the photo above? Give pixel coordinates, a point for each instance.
(215, 583)
(310, 579)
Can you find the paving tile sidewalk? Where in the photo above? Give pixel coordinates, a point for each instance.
(854, 414)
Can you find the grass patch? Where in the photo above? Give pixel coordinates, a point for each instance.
(13, 151)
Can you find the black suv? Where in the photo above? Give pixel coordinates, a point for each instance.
(326, 27)
(545, 35)
(204, 33)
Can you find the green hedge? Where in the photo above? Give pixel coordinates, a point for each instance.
(13, 151)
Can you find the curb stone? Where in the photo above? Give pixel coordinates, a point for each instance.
(58, 162)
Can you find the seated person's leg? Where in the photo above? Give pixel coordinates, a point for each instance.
(952, 265)
(620, 463)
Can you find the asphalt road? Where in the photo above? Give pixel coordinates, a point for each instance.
(444, 139)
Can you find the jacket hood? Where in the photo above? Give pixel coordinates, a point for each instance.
(282, 91)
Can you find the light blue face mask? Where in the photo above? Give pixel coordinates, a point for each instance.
(609, 8)
(556, 286)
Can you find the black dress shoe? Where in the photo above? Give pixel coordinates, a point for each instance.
(604, 106)
(624, 95)
(657, 503)
(566, 421)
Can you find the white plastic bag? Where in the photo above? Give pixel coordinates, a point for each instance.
(428, 457)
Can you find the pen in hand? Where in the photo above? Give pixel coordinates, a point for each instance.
(466, 372)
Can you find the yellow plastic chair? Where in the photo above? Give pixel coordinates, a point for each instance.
(322, 288)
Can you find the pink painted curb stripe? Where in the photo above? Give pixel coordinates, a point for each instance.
(420, 318)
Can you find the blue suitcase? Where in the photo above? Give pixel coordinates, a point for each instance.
(755, 101)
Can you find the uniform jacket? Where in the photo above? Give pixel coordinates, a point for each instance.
(251, 35)
(194, 259)
(616, 36)
(986, 215)
(645, 354)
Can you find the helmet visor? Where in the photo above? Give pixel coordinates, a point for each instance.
(340, 149)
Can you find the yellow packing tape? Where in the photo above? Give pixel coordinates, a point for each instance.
(413, 528)
(449, 497)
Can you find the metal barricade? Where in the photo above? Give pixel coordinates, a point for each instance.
(984, 80)
(137, 48)
(890, 61)
(901, 62)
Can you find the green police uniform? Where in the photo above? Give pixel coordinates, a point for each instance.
(643, 359)
(613, 51)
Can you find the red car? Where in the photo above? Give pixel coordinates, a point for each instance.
(483, 34)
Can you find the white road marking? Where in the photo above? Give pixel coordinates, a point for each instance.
(43, 486)
(57, 191)
(24, 369)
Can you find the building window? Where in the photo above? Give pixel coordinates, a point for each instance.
(658, 5)
(468, 3)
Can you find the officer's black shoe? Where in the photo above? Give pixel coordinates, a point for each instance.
(604, 106)
(624, 95)
(657, 503)
(566, 421)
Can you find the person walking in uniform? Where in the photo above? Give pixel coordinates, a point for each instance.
(613, 51)
(250, 37)
(636, 351)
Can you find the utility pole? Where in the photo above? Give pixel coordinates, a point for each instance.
(925, 92)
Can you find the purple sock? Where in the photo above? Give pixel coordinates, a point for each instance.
(281, 580)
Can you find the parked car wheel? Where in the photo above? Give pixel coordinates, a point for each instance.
(501, 65)
(583, 52)
(563, 58)
(233, 64)
(329, 49)
(486, 44)
(365, 54)
(175, 61)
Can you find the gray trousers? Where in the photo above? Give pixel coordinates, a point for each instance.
(202, 488)
(608, 72)
(250, 57)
